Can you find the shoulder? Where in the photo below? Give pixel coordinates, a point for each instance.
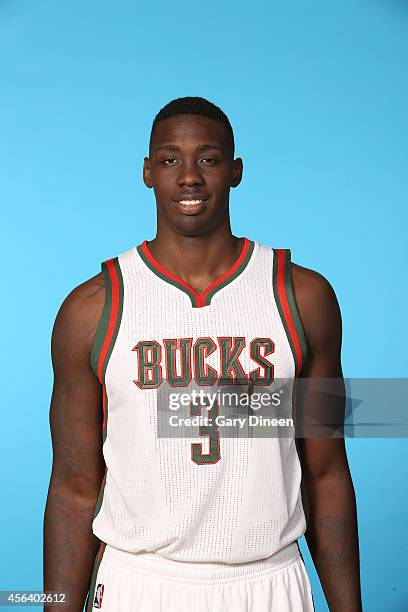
(312, 287)
(82, 308)
(317, 304)
(78, 316)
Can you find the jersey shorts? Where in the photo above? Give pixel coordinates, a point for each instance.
(147, 582)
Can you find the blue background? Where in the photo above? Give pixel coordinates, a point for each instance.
(317, 95)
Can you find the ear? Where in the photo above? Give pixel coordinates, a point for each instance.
(237, 169)
(147, 179)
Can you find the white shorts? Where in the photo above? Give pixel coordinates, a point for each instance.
(147, 582)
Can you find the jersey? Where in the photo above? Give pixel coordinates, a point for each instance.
(208, 496)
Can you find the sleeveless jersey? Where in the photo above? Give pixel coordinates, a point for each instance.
(208, 497)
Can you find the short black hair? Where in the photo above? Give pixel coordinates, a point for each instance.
(193, 105)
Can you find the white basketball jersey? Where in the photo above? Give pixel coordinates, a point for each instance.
(208, 496)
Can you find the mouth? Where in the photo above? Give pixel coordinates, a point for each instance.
(190, 206)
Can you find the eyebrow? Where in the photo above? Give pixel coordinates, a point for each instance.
(201, 147)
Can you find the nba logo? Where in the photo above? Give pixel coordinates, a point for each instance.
(98, 596)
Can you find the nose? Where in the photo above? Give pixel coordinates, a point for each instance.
(189, 174)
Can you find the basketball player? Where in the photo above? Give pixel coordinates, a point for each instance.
(211, 524)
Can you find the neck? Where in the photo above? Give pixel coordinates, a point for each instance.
(199, 260)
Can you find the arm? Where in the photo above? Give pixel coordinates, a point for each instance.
(78, 466)
(332, 534)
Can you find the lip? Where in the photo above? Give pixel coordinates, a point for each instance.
(191, 196)
(191, 209)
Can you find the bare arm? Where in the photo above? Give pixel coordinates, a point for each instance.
(332, 534)
(78, 466)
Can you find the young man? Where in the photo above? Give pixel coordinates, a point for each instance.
(213, 524)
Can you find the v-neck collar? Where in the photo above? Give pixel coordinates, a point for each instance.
(198, 300)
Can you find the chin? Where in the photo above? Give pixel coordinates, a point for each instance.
(192, 229)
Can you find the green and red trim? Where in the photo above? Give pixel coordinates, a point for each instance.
(110, 319)
(285, 300)
(198, 300)
(91, 592)
(101, 490)
(105, 338)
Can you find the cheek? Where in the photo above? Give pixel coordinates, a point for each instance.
(164, 181)
(219, 181)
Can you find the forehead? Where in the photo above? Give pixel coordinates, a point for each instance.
(189, 131)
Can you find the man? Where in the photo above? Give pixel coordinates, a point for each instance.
(212, 524)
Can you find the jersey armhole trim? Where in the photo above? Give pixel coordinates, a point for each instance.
(109, 322)
(285, 300)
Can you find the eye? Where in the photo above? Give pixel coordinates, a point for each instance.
(211, 160)
(168, 159)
